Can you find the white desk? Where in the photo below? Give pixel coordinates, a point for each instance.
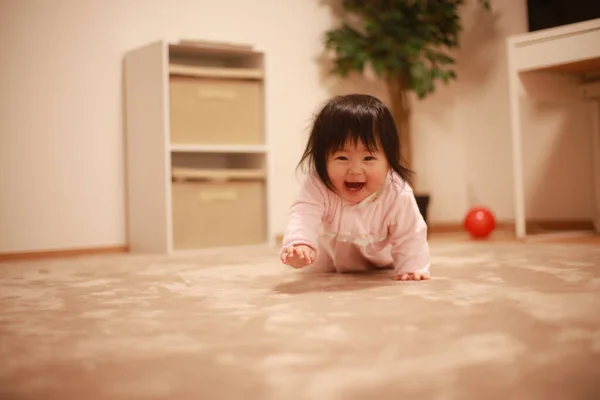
(562, 55)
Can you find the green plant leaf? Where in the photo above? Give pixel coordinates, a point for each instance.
(408, 38)
(417, 70)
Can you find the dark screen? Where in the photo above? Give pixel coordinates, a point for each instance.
(544, 14)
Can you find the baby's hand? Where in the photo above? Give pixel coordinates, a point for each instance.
(298, 256)
(412, 277)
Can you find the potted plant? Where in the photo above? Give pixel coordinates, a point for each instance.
(407, 43)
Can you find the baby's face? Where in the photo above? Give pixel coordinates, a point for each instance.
(357, 173)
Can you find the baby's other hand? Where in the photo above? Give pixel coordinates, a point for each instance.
(412, 277)
(298, 256)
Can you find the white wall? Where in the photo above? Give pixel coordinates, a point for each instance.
(558, 149)
(556, 135)
(61, 142)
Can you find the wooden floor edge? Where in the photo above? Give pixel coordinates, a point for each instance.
(533, 226)
(34, 255)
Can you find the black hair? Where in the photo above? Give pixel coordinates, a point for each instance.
(358, 117)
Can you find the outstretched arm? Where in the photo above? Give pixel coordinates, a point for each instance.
(410, 249)
(305, 216)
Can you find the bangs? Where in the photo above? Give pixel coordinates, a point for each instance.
(344, 128)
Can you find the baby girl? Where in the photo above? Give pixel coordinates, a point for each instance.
(356, 210)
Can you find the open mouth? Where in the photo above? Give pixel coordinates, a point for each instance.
(354, 186)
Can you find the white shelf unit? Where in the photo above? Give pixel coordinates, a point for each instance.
(196, 147)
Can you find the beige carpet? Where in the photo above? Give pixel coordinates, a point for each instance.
(499, 320)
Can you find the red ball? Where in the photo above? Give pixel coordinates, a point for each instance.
(479, 222)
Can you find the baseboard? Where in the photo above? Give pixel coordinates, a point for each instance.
(35, 255)
(533, 226)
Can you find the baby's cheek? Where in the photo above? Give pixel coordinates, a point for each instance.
(338, 180)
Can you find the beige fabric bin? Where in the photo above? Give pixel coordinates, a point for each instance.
(216, 111)
(215, 214)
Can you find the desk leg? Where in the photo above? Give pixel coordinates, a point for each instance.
(596, 160)
(514, 89)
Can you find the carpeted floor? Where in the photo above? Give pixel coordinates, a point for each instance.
(499, 320)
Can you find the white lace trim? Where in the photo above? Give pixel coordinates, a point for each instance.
(363, 240)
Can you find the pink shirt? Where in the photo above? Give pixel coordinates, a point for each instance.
(384, 230)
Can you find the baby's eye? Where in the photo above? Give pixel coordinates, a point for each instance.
(343, 158)
(369, 158)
